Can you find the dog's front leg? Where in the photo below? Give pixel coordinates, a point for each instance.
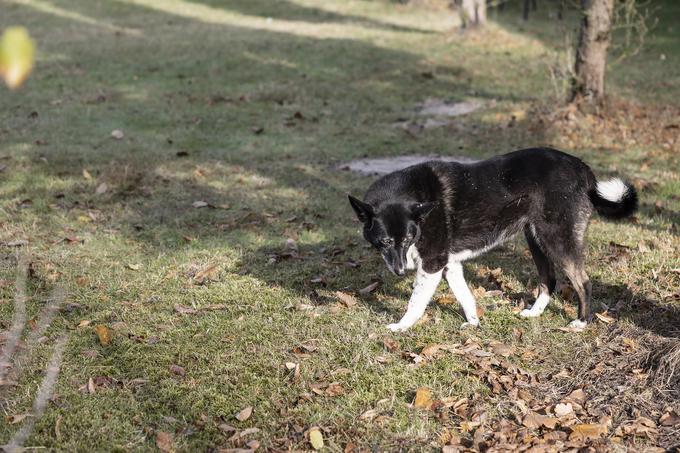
(456, 280)
(423, 290)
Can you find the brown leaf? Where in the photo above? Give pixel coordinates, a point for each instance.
(369, 289)
(17, 418)
(334, 389)
(502, 349)
(244, 414)
(605, 318)
(347, 299)
(104, 334)
(178, 370)
(534, 420)
(165, 442)
(578, 396)
(369, 415)
(587, 431)
(423, 398)
(205, 274)
(185, 310)
(670, 418)
(91, 388)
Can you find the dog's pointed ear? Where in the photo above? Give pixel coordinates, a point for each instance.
(364, 211)
(419, 211)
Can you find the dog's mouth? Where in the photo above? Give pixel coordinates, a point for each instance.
(399, 271)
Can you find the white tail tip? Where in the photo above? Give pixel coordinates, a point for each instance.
(613, 190)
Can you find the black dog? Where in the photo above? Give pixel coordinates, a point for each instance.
(433, 216)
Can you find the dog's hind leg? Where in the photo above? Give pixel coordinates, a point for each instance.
(423, 290)
(579, 279)
(456, 280)
(546, 273)
(564, 245)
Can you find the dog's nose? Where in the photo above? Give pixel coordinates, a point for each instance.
(400, 272)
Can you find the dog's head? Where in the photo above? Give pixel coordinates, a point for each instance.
(392, 229)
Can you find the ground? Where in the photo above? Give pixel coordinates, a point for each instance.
(210, 244)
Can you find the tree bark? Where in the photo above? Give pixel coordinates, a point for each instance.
(591, 54)
(473, 12)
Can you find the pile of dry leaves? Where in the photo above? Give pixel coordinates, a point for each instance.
(619, 396)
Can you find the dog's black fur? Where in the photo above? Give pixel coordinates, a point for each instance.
(448, 208)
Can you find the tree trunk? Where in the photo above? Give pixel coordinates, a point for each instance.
(591, 54)
(473, 12)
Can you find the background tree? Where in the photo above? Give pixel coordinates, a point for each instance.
(473, 12)
(591, 52)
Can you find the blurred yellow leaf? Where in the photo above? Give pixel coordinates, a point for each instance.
(316, 438)
(104, 334)
(423, 398)
(16, 56)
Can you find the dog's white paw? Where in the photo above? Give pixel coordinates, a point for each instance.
(528, 313)
(470, 324)
(577, 324)
(397, 327)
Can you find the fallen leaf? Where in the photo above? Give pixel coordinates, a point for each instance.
(369, 415)
(91, 387)
(563, 409)
(423, 398)
(117, 134)
(587, 431)
(534, 420)
(430, 350)
(369, 289)
(244, 414)
(178, 370)
(347, 299)
(605, 318)
(84, 323)
(104, 334)
(184, 310)
(502, 349)
(226, 428)
(14, 419)
(316, 438)
(165, 442)
(134, 267)
(670, 418)
(87, 175)
(578, 396)
(200, 204)
(571, 329)
(205, 274)
(101, 188)
(390, 344)
(334, 389)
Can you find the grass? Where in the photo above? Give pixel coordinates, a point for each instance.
(207, 94)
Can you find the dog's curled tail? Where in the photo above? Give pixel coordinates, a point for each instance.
(614, 198)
